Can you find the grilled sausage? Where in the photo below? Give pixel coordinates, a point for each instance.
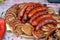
(36, 10)
(44, 22)
(29, 8)
(20, 15)
(36, 15)
(40, 18)
(22, 11)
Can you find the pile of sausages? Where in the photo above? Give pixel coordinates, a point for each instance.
(36, 14)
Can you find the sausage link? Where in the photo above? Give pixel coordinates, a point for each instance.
(44, 22)
(29, 8)
(22, 11)
(37, 15)
(35, 10)
(20, 15)
(40, 18)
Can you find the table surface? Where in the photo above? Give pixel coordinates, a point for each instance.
(6, 4)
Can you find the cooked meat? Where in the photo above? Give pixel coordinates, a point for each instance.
(36, 10)
(44, 22)
(40, 18)
(29, 8)
(20, 15)
(31, 19)
(37, 15)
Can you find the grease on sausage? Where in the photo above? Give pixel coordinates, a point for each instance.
(36, 10)
(40, 18)
(36, 15)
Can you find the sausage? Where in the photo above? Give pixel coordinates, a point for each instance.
(38, 19)
(22, 11)
(31, 13)
(29, 8)
(36, 15)
(44, 22)
(20, 15)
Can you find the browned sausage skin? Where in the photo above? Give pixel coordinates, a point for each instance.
(40, 18)
(20, 15)
(36, 10)
(28, 9)
(22, 11)
(26, 12)
(37, 15)
(44, 22)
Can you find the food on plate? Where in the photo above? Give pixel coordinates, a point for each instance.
(9, 18)
(48, 21)
(50, 10)
(36, 10)
(37, 15)
(31, 19)
(41, 18)
(37, 33)
(28, 9)
(54, 34)
(27, 29)
(56, 17)
(48, 27)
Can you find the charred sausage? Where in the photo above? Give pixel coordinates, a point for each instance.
(29, 8)
(22, 11)
(36, 15)
(26, 12)
(20, 15)
(38, 19)
(44, 22)
(36, 10)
